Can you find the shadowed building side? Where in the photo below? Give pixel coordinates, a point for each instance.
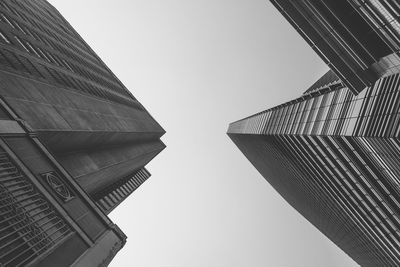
(77, 136)
(90, 137)
(334, 157)
(333, 153)
(68, 96)
(358, 214)
(359, 40)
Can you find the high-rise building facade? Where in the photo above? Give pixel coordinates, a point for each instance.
(74, 143)
(358, 39)
(333, 153)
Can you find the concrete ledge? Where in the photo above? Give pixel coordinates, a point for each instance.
(102, 252)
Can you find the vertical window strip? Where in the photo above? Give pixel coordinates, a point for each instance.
(4, 38)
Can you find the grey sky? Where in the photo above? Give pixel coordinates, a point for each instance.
(197, 66)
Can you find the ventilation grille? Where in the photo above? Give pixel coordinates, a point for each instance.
(29, 225)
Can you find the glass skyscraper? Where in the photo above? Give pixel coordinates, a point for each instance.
(334, 152)
(358, 39)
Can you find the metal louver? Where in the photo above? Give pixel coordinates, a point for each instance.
(29, 224)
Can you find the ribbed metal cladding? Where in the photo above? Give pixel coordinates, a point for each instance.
(325, 183)
(359, 40)
(110, 198)
(373, 113)
(334, 157)
(329, 79)
(383, 16)
(29, 224)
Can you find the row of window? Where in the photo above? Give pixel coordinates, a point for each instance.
(96, 72)
(317, 115)
(23, 64)
(116, 196)
(32, 33)
(373, 181)
(375, 111)
(55, 59)
(380, 113)
(27, 15)
(384, 15)
(349, 184)
(386, 153)
(299, 176)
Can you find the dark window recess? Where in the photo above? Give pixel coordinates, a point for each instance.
(358, 27)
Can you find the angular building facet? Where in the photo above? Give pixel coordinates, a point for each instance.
(333, 153)
(358, 39)
(74, 143)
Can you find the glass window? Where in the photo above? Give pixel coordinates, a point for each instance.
(4, 38)
(21, 44)
(4, 18)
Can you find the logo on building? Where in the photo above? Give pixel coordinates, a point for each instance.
(58, 185)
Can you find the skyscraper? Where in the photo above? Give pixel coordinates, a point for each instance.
(333, 153)
(358, 39)
(74, 143)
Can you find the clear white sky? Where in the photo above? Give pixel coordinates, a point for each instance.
(197, 66)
